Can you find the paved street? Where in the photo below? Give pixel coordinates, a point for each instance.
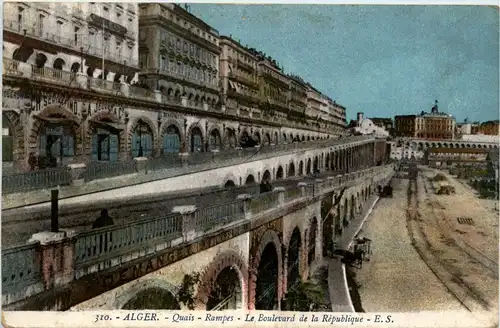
(396, 279)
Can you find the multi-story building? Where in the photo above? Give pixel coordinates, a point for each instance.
(73, 95)
(179, 56)
(337, 112)
(298, 98)
(75, 44)
(466, 128)
(491, 128)
(383, 122)
(433, 126)
(405, 125)
(274, 88)
(239, 79)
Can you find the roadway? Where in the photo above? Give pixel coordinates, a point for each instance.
(18, 225)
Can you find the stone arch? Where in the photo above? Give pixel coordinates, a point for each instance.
(267, 176)
(230, 138)
(291, 169)
(104, 116)
(164, 128)
(301, 168)
(191, 131)
(308, 166)
(214, 138)
(294, 254)
(135, 123)
(228, 258)
(250, 179)
(17, 130)
(143, 285)
(268, 237)
(229, 177)
(267, 139)
(59, 63)
(55, 111)
(279, 173)
(40, 60)
(311, 237)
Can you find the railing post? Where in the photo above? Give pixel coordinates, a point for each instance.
(246, 200)
(140, 163)
(57, 257)
(77, 172)
(318, 186)
(302, 186)
(188, 221)
(184, 158)
(281, 195)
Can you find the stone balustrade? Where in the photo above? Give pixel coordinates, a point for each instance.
(12, 67)
(176, 164)
(52, 260)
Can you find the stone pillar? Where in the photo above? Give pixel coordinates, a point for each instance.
(318, 186)
(57, 257)
(184, 158)
(157, 95)
(140, 163)
(281, 195)
(188, 213)
(246, 201)
(302, 186)
(77, 172)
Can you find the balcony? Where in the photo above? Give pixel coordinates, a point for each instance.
(245, 66)
(243, 95)
(275, 78)
(244, 80)
(181, 77)
(58, 40)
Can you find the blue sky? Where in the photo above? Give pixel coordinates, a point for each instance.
(381, 60)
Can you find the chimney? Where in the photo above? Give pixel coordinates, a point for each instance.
(359, 117)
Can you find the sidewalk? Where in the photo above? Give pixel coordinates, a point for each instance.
(337, 279)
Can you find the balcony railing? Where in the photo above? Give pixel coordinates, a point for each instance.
(16, 68)
(21, 265)
(33, 180)
(45, 179)
(32, 30)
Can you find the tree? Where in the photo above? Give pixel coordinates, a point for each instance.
(304, 296)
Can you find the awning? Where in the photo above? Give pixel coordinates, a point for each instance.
(109, 125)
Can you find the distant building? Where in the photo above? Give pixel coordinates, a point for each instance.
(432, 126)
(491, 128)
(366, 126)
(449, 157)
(383, 122)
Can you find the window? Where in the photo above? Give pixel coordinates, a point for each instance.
(76, 29)
(118, 48)
(178, 44)
(105, 13)
(20, 15)
(185, 47)
(41, 19)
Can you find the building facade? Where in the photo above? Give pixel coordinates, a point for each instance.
(384, 122)
(432, 126)
(81, 85)
(74, 43)
(491, 128)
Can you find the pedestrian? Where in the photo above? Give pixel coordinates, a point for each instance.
(103, 220)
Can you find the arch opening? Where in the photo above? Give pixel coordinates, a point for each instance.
(226, 291)
(311, 247)
(172, 140)
(250, 180)
(142, 140)
(196, 140)
(266, 289)
(293, 262)
(279, 173)
(291, 170)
